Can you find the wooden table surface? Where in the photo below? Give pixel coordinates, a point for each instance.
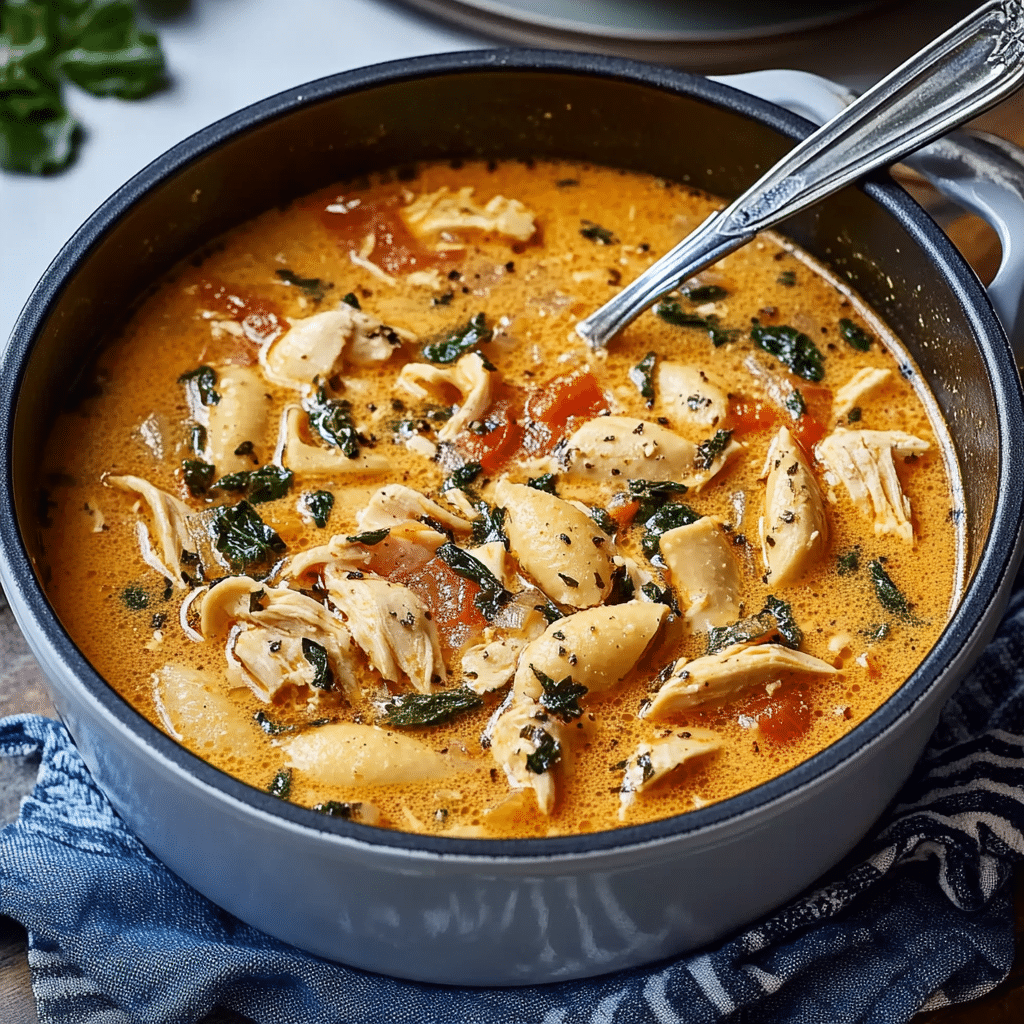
(22, 689)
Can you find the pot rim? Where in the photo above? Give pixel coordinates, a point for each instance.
(995, 563)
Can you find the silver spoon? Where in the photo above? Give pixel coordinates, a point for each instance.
(971, 67)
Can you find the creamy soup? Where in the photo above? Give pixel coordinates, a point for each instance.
(352, 513)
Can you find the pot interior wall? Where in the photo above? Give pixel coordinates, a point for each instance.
(500, 114)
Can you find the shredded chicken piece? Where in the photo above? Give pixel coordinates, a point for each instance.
(315, 346)
(524, 734)
(719, 677)
(597, 647)
(265, 627)
(794, 527)
(347, 754)
(608, 446)
(853, 391)
(171, 518)
(652, 762)
(559, 546)
(469, 376)
(703, 570)
(396, 504)
(488, 667)
(444, 210)
(391, 625)
(863, 461)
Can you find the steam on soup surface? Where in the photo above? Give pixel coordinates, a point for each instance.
(358, 518)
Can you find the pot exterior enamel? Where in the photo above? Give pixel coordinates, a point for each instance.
(527, 911)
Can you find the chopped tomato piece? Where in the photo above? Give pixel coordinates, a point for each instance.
(552, 411)
(747, 415)
(623, 515)
(450, 600)
(808, 431)
(496, 438)
(395, 250)
(781, 718)
(260, 319)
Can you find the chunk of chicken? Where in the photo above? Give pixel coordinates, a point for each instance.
(396, 504)
(391, 625)
(347, 754)
(692, 397)
(315, 346)
(863, 461)
(265, 628)
(794, 527)
(171, 521)
(469, 377)
(241, 416)
(703, 571)
(860, 384)
(529, 744)
(488, 667)
(620, 446)
(195, 710)
(597, 647)
(302, 457)
(720, 677)
(557, 545)
(652, 762)
(444, 210)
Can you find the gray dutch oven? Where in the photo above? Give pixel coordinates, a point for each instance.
(523, 911)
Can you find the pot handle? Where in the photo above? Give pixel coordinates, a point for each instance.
(979, 173)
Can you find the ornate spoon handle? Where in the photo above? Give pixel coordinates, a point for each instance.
(974, 65)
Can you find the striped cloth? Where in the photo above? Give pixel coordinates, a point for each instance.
(920, 916)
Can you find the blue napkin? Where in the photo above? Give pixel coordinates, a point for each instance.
(920, 916)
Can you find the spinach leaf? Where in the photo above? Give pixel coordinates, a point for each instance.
(668, 517)
(418, 709)
(787, 278)
(462, 477)
(459, 342)
(489, 526)
(595, 233)
(198, 475)
(704, 292)
(856, 337)
(311, 286)
(331, 418)
(269, 726)
(709, 450)
(854, 415)
(549, 611)
(795, 404)
(546, 482)
(340, 809)
(604, 521)
(623, 588)
(492, 596)
(243, 538)
(268, 483)
(94, 43)
(877, 632)
(319, 505)
(849, 563)
(203, 380)
(776, 616)
(642, 375)
(673, 313)
(792, 348)
(561, 698)
(316, 655)
(369, 538)
(281, 784)
(890, 597)
(660, 595)
(349, 298)
(651, 494)
(197, 439)
(547, 752)
(134, 598)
